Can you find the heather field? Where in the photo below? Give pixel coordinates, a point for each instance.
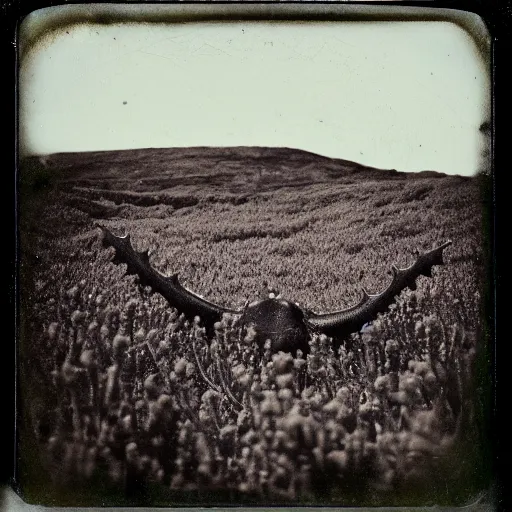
(123, 401)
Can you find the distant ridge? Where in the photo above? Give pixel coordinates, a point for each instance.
(241, 151)
(255, 158)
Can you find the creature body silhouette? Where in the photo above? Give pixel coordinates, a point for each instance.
(283, 322)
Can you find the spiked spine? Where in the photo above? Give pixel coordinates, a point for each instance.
(185, 301)
(344, 322)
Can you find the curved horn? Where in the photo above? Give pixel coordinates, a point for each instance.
(342, 323)
(178, 296)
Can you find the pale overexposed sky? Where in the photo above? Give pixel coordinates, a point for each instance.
(403, 95)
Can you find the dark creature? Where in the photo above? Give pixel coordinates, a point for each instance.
(286, 325)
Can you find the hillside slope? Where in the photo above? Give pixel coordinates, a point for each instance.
(233, 222)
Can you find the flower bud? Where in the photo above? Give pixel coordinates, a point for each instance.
(283, 362)
(180, 367)
(77, 318)
(87, 358)
(121, 342)
(190, 370)
(52, 330)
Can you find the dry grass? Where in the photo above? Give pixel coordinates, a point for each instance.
(121, 390)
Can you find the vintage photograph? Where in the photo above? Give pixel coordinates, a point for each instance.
(254, 257)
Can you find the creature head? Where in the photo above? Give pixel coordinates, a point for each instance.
(280, 321)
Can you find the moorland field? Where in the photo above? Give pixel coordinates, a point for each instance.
(121, 400)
